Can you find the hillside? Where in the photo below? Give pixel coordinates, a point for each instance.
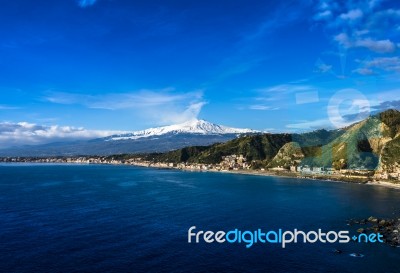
(367, 145)
(360, 147)
(260, 148)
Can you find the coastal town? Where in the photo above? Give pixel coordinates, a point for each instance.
(231, 163)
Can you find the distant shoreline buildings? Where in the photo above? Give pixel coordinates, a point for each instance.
(230, 163)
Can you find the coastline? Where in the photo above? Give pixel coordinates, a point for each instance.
(271, 174)
(325, 178)
(384, 184)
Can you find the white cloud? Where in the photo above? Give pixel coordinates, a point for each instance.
(323, 5)
(353, 14)
(191, 112)
(286, 88)
(365, 26)
(163, 106)
(391, 12)
(6, 107)
(283, 95)
(343, 40)
(363, 71)
(307, 97)
(388, 64)
(323, 15)
(307, 125)
(262, 107)
(373, 3)
(277, 97)
(378, 46)
(322, 67)
(116, 101)
(24, 133)
(362, 32)
(86, 3)
(325, 10)
(385, 63)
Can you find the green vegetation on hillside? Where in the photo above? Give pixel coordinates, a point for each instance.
(392, 119)
(358, 146)
(290, 154)
(391, 155)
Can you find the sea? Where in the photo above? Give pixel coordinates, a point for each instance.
(105, 218)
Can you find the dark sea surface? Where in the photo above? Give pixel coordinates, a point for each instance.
(101, 218)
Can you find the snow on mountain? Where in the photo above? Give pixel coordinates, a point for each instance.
(190, 127)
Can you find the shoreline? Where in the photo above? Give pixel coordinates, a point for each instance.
(336, 179)
(384, 184)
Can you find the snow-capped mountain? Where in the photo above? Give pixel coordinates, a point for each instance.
(200, 127)
(161, 139)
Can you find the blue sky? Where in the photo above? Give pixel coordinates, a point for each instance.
(89, 68)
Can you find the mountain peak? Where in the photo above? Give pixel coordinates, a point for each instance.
(193, 126)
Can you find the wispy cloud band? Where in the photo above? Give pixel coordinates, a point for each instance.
(24, 133)
(86, 3)
(162, 106)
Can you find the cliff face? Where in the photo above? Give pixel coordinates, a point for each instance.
(390, 157)
(372, 144)
(290, 154)
(358, 148)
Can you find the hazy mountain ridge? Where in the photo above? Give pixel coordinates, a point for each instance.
(161, 139)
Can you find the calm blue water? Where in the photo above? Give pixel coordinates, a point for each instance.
(71, 218)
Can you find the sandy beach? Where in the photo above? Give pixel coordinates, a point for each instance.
(384, 184)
